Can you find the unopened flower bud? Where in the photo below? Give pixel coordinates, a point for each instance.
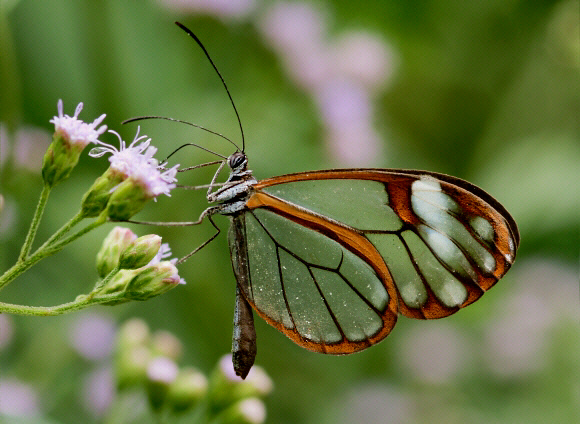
(96, 198)
(140, 252)
(127, 199)
(133, 333)
(247, 411)
(132, 354)
(131, 366)
(164, 343)
(161, 373)
(113, 245)
(60, 159)
(187, 390)
(152, 281)
(118, 284)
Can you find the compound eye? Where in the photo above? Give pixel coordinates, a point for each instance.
(236, 160)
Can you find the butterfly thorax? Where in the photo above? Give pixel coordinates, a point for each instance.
(235, 192)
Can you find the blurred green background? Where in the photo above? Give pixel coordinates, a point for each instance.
(486, 91)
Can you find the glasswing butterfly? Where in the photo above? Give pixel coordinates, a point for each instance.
(331, 258)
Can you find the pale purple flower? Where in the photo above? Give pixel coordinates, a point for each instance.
(342, 75)
(162, 370)
(544, 295)
(93, 335)
(219, 8)
(365, 58)
(76, 131)
(29, 147)
(434, 352)
(98, 391)
(136, 161)
(376, 403)
(18, 399)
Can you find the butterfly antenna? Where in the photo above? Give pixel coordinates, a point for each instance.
(200, 44)
(195, 145)
(142, 118)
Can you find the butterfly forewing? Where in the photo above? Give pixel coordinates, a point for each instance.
(330, 258)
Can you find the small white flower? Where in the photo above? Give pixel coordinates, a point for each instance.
(136, 161)
(76, 131)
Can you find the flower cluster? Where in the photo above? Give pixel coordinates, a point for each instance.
(133, 178)
(135, 267)
(150, 362)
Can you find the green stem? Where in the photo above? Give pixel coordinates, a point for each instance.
(80, 302)
(63, 230)
(57, 247)
(102, 283)
(44, 251)
(35, 222)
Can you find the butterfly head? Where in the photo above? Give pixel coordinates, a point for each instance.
(238, 163)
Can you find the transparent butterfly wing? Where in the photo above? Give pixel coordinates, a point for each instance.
(330, 258)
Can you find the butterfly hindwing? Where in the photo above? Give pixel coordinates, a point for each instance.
(320, 292)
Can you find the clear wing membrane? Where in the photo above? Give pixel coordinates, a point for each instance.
(331, 257)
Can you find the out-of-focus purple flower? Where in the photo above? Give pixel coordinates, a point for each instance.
(297, 33)
(343, 76)
(162, 370)
(18, 399)
(29, 147)
(434, 352)
(93, 335)
(99, 391)
(9, 217)
(544, 295)
(365, 58)
(220, 8)
(374, 403)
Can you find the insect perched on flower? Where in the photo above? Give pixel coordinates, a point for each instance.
(331, 258)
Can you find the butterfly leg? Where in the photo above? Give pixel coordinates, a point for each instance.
(205, 243)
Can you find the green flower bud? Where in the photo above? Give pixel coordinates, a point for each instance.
(133, 333)
(187, 390)
(163, 343)
(113, 245)
(95, 200)
(127, 199)
(60, 159)
(132, 354)
(152, 281)
(131, 367)
(140, 252)
(161, 373)
(247, 411)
